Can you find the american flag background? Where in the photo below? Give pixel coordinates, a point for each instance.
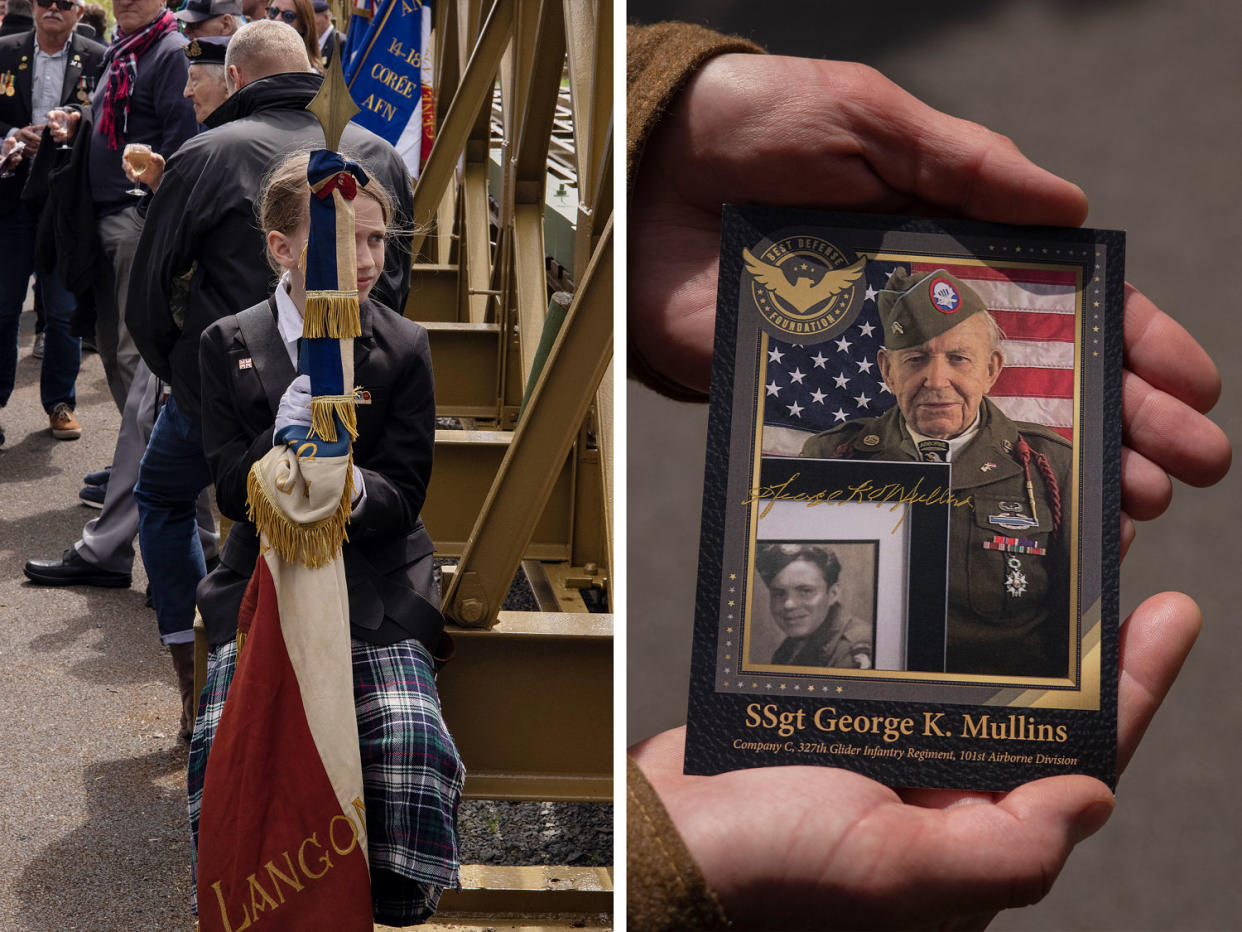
(809, 388)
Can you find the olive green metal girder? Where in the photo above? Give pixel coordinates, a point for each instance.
(562, 395)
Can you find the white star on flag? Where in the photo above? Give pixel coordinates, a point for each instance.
(773, 388)
(866, 329)
(839, 415)
(820, 360)
(843, 345)
(775, 355)
(865, 366)
(795, 409)
(818, 397)
(884, 387)
(841, 380)
(870, 294)
(797, 375)
(862, 400)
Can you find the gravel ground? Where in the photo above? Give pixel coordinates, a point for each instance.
(93, 831)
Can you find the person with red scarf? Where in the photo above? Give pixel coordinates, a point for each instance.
(138, 100)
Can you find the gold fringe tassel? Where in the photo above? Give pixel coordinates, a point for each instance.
(323, 420)
(310, 545)
(331, 314)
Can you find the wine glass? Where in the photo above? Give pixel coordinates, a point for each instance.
(137, 156)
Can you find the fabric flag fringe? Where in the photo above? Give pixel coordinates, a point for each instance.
(314, 544)
(331, 314)
(326, 410)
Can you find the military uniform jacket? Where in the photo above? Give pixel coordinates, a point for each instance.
(82, 66)
(1002, 618)
(389, 553)
(835, 643)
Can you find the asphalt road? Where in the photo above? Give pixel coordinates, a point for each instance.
(93, 831)
(1137, 102)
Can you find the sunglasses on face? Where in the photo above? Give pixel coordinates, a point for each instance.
(63, 5)
(289, 16)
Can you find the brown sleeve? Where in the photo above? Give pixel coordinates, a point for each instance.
(659, 60)
(666, 889)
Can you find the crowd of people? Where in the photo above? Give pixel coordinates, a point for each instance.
(134, 162)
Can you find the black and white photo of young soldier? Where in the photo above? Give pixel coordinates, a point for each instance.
(804, 589)
(1008, 603)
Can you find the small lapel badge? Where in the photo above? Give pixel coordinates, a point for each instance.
(362, 396)
(987, 467)
(871, 440)
(246, 363)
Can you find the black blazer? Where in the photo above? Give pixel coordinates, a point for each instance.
(388, 558)
(17, 65)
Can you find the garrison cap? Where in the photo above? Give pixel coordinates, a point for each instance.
(207, 50)
(195, 11)
(914, 309)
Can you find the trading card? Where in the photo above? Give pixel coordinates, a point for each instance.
(910, 544)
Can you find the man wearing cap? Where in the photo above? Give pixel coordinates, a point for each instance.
(201, 18)
(205, 84)
(39, 70)
(1008, 609)
(330, 41)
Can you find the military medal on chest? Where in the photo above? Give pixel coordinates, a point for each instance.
(1015, 581)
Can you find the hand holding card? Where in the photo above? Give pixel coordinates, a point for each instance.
(818, 848)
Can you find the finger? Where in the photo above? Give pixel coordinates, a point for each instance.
(943, 160)
(1165, 356)
(1146, 489)
(1155, 640)
(1171, 434)
(1127, 533)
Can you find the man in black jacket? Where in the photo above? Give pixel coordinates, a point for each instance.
(39, 70)
(18, 18)
(202, 217)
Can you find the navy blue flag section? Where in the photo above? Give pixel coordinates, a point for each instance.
(817, 386)
(384, 74)
(360, 19)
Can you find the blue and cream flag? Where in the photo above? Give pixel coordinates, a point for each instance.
(389, 76)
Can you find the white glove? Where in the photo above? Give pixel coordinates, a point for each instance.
(360, 487)
(295, 405)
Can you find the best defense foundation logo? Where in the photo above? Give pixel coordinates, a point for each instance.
(805, 287)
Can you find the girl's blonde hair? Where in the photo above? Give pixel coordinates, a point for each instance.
(286, 193)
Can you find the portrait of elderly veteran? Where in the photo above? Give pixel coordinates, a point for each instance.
(1008, 612)
(804, 593)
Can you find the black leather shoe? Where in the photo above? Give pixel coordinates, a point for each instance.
(72, 570)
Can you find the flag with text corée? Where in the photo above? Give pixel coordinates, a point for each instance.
(388, 74)
(814, 387)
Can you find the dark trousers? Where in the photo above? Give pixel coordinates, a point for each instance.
(62, 353)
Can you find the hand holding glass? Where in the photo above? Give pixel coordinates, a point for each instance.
(135, 159)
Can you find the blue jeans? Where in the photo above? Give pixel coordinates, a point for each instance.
(173, 472)
(62, 351)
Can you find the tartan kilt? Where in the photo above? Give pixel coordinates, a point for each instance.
(412, 775)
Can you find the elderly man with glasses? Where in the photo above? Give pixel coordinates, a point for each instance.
(39, 70)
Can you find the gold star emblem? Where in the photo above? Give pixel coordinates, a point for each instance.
(839, 689)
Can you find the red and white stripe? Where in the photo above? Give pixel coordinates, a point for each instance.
(1036, 310)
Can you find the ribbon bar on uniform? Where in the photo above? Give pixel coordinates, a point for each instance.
(1014, 545)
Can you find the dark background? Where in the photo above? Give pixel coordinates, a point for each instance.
(1139, 104)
